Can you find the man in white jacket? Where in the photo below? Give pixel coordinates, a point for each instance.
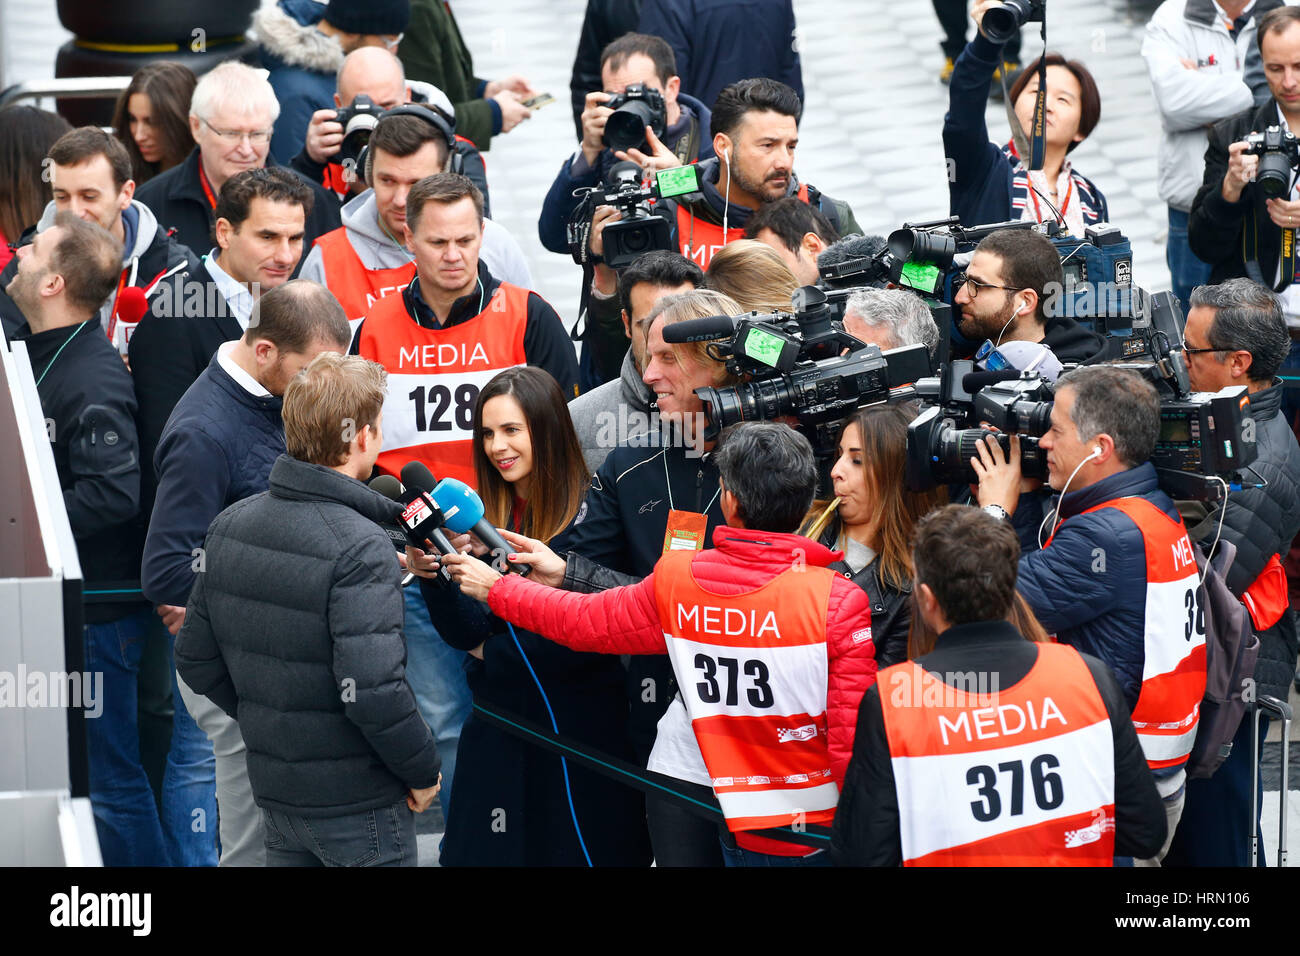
(1195, 52)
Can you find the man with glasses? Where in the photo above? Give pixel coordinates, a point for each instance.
(1236, 335)
(231, 118)
(303, 46)
(1004, 296)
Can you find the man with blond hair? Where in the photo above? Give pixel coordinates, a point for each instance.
(312, 663)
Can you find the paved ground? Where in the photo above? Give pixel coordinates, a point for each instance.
(870, 133)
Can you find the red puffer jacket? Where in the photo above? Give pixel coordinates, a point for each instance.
(626, 620)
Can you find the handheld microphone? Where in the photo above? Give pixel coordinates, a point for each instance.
(462, 510)
(129, 309)
(421, 518)
(391, 488)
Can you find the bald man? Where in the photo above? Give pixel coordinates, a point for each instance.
(378, 74)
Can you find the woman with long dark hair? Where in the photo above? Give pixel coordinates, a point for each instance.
(871, 520)
(26, 135)
(152, 118)
(514, 804)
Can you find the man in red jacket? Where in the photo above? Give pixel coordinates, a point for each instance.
(772, 651)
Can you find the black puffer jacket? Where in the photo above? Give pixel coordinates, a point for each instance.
(891, 608)
(295, 630)
(1262, 522)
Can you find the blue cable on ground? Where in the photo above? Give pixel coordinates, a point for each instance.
(564, 764)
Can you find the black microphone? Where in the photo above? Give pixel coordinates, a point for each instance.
(851, 248)
(700, 330)
(390, 488)
(421, 521)
(972, 382)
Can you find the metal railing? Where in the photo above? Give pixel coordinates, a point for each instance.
(72, 87)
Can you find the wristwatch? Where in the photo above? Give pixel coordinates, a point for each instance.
(997, 511)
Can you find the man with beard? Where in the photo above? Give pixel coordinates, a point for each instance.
(1007, 293)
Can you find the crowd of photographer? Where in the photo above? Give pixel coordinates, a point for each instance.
(950, 547)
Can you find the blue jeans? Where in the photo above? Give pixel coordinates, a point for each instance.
(380, 837)
(739, 856)
(436, 673)
(126, 817)
(189, 804)
(1186, 271)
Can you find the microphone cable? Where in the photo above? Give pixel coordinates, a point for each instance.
(564, 763)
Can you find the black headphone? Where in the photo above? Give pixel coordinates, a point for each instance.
(431, 116)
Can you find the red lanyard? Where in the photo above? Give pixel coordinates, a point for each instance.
(1038, 213)
(207, 189)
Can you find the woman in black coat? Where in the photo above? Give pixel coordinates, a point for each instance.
(871, 520)
(514, 804)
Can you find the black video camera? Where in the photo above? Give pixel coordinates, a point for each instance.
(798, 365)
(939, 450)
(637, 107)
(1004, 21)
(641, 229)
(359, 119)
(1278, 154)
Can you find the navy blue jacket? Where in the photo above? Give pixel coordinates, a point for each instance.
(717, 42)
(980, 184)
(218, 448)
(1089, 585)
(560, 203)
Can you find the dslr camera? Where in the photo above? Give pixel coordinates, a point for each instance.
(637, 107)
(1002, 22)
(1278, 154)
(642, 229)
(359, 119)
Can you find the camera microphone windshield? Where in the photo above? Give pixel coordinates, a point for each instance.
(700, 330)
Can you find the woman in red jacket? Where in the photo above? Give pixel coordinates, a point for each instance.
(771, 651)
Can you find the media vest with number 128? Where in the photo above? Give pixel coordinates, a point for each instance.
(1024, 776)
(753, 672)
(1173, 669)
(435, 376)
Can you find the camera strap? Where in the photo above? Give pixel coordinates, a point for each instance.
(1033, 147)
(1250, 254)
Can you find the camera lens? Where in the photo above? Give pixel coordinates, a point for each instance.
(1002, 22)
(625, 128)
(1274, 175)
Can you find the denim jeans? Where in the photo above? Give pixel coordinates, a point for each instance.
(739, 856)
(126, 816)
(436, 673)
(380, 837)
(189, 809)
(1186, 271)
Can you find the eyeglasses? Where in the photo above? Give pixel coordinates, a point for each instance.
(256, 137)
(993, 360)
(392, 44)
(1187, 351)
(973, 286)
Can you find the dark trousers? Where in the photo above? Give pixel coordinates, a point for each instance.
(380, 837)
(1215, 828)
(679, 837)
(953, 17)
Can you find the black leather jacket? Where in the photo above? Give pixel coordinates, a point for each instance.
(891, 608)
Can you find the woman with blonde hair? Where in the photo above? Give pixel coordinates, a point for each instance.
(871, 520)
(753, 274)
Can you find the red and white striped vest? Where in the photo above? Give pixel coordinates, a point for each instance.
(435, 375)
(1173, 668)
(752, 671)
(1017, 777)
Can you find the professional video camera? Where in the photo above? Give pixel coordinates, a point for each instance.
(641, 229)
(359, 119)
(637, 107)
(1004, 21)
(1278, 154)
(798, 365)
(1201, 451)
